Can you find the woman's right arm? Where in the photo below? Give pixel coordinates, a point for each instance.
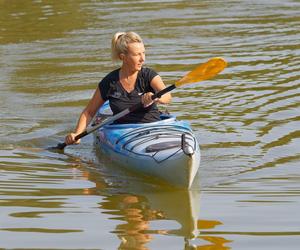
(86, 116)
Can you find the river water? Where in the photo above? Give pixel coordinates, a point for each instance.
(247, 120)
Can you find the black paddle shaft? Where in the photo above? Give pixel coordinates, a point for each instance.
(157, 95)
(164, 91)
(61, 146)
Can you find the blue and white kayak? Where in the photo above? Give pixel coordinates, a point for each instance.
(166, 149)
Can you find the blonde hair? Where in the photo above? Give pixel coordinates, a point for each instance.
(120, 41)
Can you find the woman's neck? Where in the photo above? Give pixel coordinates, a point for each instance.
(127, 73)
(128, 79)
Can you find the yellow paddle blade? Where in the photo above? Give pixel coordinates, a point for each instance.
(204, 71)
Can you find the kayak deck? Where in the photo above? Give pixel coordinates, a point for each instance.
(166, 149)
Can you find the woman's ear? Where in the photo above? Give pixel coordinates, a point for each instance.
(122, 56)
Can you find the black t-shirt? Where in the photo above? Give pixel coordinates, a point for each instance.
(119, 99)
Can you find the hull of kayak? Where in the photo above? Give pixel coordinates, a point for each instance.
(166, 149)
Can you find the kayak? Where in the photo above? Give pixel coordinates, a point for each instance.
(166, 150)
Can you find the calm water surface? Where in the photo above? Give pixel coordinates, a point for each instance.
(247, 120)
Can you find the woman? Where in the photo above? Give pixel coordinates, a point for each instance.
(126, 86)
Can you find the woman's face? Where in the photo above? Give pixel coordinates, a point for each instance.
(135, 56)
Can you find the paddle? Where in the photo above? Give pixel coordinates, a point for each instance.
(203, 72)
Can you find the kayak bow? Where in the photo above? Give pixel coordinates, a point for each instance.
(166, 150)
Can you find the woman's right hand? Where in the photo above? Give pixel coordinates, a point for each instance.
(70, 139)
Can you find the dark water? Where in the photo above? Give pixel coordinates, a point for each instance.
(53, 54)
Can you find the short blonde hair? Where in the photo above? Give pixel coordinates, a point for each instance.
(120, 41)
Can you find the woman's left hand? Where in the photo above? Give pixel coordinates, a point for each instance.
(147, 99)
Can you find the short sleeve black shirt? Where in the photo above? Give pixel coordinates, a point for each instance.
(119, 99)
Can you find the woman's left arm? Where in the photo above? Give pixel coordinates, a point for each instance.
(157, 84)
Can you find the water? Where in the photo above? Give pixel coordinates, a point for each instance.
(53, 55)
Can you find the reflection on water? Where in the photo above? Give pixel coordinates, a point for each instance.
(53, 55)
(48, 194)
(154, 213)
(29, 21)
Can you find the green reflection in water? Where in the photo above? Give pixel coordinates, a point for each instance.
(27, 21)
(41, 230)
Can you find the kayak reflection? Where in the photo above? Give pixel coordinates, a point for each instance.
(140, 214)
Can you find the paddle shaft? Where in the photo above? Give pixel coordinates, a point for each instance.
(202, 72)
(117, 116)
